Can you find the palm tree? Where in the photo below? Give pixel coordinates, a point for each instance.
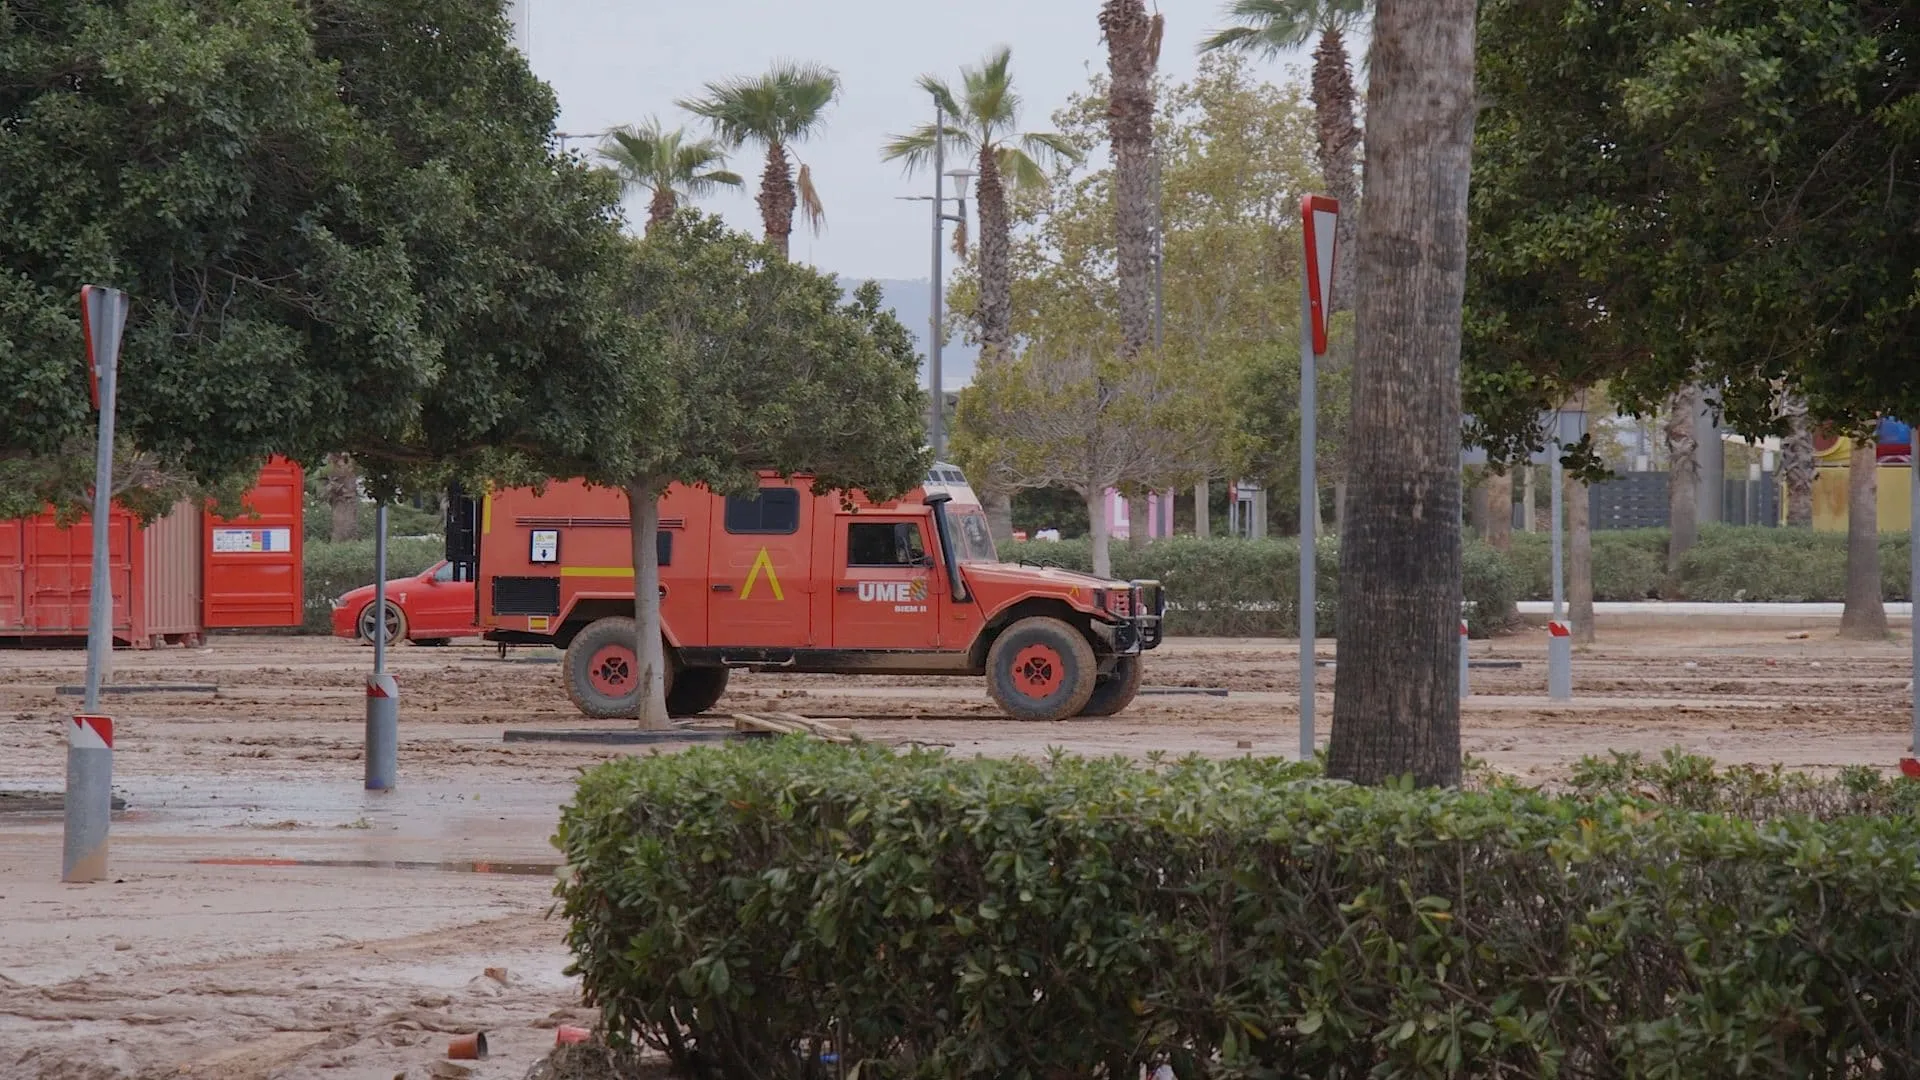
(1271, 27)
(775, 110)
(668, 164)
(982, 120)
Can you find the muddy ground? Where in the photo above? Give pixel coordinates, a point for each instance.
(268, 918)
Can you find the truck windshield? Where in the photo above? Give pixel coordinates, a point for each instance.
(972, 540)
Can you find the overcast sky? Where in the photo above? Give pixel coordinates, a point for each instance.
(617, 61)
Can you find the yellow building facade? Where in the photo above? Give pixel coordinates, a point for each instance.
(1830, 478)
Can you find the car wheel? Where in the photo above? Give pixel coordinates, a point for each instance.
(396, 624)
(1041, 669)
(601, 672)
(695, 690)
(1116, 690)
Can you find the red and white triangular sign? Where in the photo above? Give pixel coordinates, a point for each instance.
(103, 317)
(1320, 217)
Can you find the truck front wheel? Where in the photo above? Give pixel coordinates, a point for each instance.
(1117, 690)
(602, 675)
(1041, 669)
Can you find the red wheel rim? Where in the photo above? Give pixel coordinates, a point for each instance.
(612, 671)
(1038, 671)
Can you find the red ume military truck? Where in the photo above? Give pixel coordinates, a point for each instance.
(792, 581)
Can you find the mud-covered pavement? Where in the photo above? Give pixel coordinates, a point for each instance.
(268, 918)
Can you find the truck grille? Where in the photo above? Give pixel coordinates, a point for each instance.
(526, 596)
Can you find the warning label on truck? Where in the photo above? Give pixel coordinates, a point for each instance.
(231, 540)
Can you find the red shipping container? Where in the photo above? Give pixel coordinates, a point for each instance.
(180, 576)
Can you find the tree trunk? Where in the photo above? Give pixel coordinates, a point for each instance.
(1480, 508)
(1202, 511)
(1137, 517)
(1796, 463)
(1579, 561)
(643, 514)
(1529, 501)
(1098, 535)
(1683, 475)
(343, 498)
(1865, 616)
(1337, 139)
(999, 507)
(1130, 61)
(993, 312)
(1257, 511)
(1500, 511)
(777, 198)
(1396, 704)
(1340, 504)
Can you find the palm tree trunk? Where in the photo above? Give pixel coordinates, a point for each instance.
(777, 198)
(994, 313)
(1864, 618)
(343, 498)
(1683, 475)
(1130, 62)
(1579, 561)
(1796, 463)
(661, 207)
(1500, 511)
(1337, 140)
(1396, 709)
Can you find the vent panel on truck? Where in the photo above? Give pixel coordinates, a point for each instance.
(526, 596)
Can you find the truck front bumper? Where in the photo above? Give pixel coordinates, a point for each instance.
(1141, 630)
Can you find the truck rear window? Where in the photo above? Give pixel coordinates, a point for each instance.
(774, 510)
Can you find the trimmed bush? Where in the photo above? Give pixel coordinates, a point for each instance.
(332, 569)
(751, 910)
(1250, 588)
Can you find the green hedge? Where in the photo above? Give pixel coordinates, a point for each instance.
(1243, 588)
(332, 569)
(1729, 563)
(752, 910)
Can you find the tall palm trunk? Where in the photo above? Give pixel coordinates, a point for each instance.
(777, 198)
(1130, 61)
(1396, 705)
(661, 207)
(1683, 475)
(994, 315)
(1864, 618)
(1337, 140)
(1796, 463)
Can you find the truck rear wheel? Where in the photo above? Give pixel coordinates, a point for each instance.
(1041, 669)
(1115, 691)
(695, 690)
(602, 675)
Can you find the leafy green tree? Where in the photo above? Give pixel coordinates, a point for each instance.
(750, 363)
(785, 105)
(340, 226)
(1396, 708)
(668, 164)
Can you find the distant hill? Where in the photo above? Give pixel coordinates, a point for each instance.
(912, 303)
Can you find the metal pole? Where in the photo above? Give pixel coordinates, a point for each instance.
(1308, 408)
(88, 803)
(936, 429)
(1913, 574)
(383, 693)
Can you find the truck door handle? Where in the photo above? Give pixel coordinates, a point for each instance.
(722, 588)
(847, 589)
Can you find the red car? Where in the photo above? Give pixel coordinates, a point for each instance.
(429, 608)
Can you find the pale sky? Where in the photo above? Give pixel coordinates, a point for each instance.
(617, 61)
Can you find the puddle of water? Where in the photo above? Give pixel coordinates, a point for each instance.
(525, 869)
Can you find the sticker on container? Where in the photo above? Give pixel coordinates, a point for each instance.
(545, 546)
(252, 540)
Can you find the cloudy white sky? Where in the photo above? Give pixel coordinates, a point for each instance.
(618, 61)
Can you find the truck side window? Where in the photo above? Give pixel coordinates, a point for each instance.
(885, 544)
(774, 510)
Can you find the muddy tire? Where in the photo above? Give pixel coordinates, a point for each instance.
(601, 673)
(1115, 691)
(1041, 669)
(695, 690)
(396, 624)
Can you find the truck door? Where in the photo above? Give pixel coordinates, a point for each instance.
(885, 595)
(759, 587)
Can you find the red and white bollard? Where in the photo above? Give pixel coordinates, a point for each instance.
(89, 799)
(1560, 660)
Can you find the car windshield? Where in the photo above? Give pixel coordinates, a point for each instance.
(972, 540)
